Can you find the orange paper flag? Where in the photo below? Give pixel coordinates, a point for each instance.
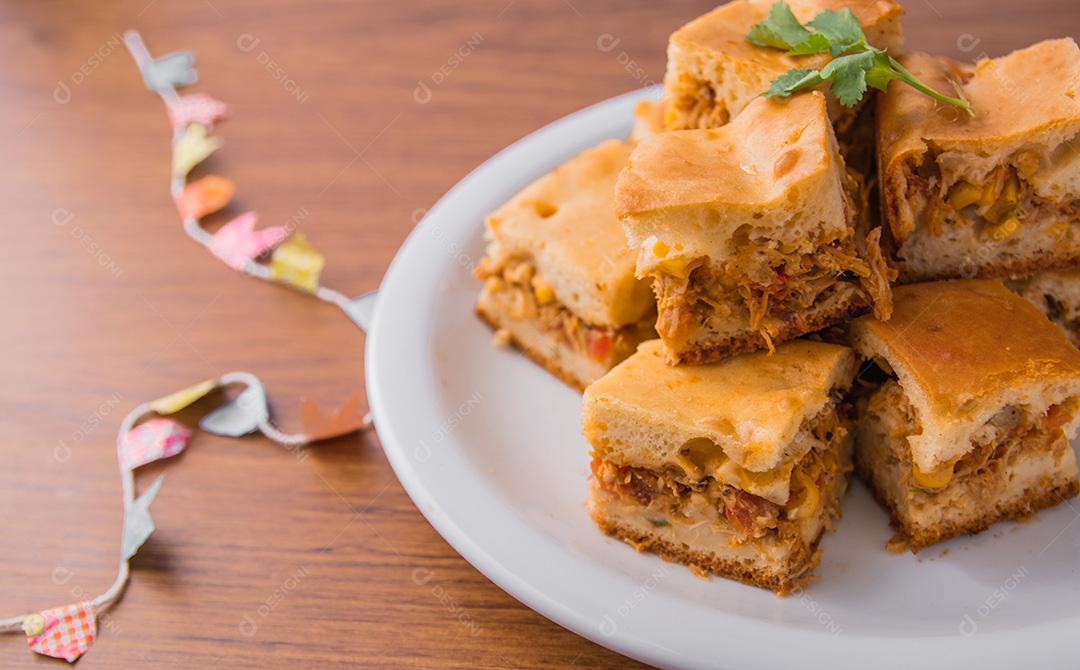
(319, 426)
(205, 196)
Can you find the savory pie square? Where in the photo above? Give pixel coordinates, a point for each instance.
(735, 468)
(748, 231)
(992, 195)
(713, 72)
(976, 401)
(558, 277)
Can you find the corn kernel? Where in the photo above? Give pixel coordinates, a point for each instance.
(544, 293)
(1004, 230)
(964, 194)
(659, 249)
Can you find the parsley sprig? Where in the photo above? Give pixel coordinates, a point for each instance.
(855, 64)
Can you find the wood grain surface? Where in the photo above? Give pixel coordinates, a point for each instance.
(262, 557)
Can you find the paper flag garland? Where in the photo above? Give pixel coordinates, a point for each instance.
(196, 108)
(205, 196)
(237, 242)
(174, 402)
(67, 632)
(320, 426)
(151, 441)
(192, 116)
(193, 147)
(240, 416)
(297, 263)
(138, 525)
(62, 632)
(171, 71)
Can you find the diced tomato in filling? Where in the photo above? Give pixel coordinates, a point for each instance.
(599, 345)
(635, 486)
(748, 511)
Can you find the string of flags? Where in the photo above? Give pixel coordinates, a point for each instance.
(293, 260)
(149, 432)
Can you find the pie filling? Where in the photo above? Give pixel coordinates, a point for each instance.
(685, 494)
(990, 210)
(516, 280)
(1060, 303)
(767, 288)
(1063, 316)
(692, 104)
(1012, 433)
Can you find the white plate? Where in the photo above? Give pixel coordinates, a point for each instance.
(489, 446)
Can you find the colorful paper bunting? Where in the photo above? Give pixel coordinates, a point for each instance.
(192, 116)
(156, 439)
(320, 426)
(138, 525)
(62, 632)
(193, 147)
(237, 242)
(67, 632)
(240, 416)
(170, 71)
(205, 196)
(297, 263)
(195, 108)
(174, 402)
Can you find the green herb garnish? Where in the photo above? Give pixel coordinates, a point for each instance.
(855, 65)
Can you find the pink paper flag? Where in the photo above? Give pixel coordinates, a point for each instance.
(237, 242)
(150, 441)
(62, 632)
(196, 108)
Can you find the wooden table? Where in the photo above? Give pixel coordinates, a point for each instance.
(263, 559)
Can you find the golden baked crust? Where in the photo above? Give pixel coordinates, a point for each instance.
(564, 223)
(714, 72)
(776, 153)
(795, 574)
(751, 406)
(964, 340)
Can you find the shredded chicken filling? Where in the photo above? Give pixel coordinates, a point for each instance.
(672, 495)
(1010, 432)
(996, 206)
(533, 299)
(773, 286)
